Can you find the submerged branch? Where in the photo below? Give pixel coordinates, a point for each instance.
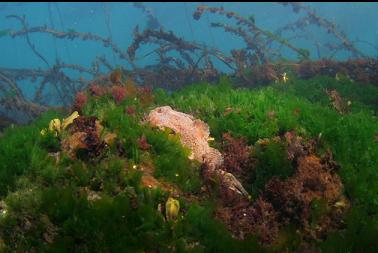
(256, 38)
(106, 42)
(331, 28)
(31, 45)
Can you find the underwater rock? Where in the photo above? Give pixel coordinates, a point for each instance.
(74, 142)
(312, 198)
(313, 188)
(84, 139)
(194, 134)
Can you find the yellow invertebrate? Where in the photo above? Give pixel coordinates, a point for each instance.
(284, 77)
(70, 119)
(172, 209)
(43, 132)
(55, 126)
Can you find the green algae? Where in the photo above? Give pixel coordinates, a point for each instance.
(126, 217)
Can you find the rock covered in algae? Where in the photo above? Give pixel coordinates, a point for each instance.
(85, 135)
(194, 133)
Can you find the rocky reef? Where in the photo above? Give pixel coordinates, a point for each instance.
(211, 168)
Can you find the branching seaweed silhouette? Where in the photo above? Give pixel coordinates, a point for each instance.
(180, 62)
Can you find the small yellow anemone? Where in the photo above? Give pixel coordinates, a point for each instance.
(54, 126)
(337, 76)
(172, 209)
(285, 78)
(70, 119)
(44, 132)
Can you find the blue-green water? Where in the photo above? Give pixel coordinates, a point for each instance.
(117, 21)
(358, 21)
